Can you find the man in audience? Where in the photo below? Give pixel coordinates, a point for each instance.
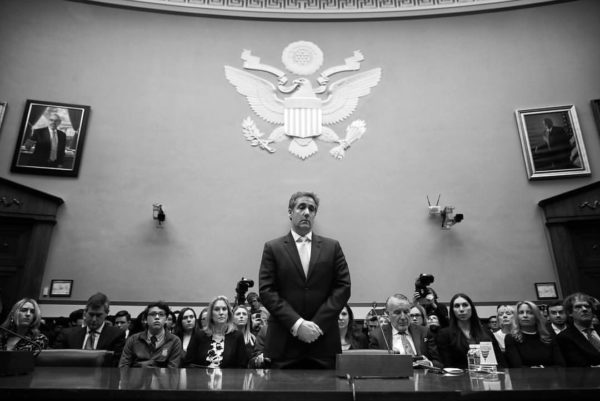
(493, 323)
(304, 283)
(122, 321)
(404, 338)
(580, 342)
(76, 318)
(95, 334)
(557, 318)
(154, 347)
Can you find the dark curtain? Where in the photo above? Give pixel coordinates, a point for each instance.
(36, 111)
(75, 117)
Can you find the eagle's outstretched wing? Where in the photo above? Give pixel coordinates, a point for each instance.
(345, 93)
(260, 93)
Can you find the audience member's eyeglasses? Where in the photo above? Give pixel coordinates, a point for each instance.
(155, 314)
(414, 315)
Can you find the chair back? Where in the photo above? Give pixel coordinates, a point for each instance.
(74, 357)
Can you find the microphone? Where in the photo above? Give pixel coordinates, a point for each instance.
(387, 345)
(27, 340)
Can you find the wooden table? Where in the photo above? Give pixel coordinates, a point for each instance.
(113, 384)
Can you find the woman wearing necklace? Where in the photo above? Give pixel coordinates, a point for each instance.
(220, 345)
(350, 336)
(464, 329)
(25, 319)
(529, 343)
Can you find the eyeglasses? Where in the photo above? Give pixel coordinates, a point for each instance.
(415, 315)
(155, 314)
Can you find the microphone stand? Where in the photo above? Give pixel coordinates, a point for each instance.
(387, 345)
(27, 340)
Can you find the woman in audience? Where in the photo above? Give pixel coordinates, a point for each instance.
(418, 316)
(220, 345)
(529, 342)
(24, 319)
(243, 324)
(185, 327)
(506, 314)
(464, 329)
(203, 319)
(350, 336)
(171, 322)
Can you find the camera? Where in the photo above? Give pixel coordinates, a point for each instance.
(241, 289)
(422, 282)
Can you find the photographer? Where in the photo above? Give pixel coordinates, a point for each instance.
(427, 297)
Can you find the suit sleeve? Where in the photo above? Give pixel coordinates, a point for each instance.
(269, 290)
(339, 294)
(125, 360)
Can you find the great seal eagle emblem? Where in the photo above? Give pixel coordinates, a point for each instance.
(303, 110)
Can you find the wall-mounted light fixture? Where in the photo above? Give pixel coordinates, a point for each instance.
(158, 214)
(449, 218)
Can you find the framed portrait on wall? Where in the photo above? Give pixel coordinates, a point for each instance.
(551, 142)
(51, 139)
(546, 291)
(2, 111)
(61, 288)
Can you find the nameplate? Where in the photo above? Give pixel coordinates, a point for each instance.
(374, 365)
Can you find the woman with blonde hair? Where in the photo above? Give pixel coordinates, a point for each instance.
(243, 323)
(529, 343)
(220, 345)
(24, 319)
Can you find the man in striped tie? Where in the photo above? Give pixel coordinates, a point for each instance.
(580, 341)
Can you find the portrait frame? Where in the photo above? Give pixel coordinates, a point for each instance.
(61, 288)
(557, 151)
(596, 111)
(2, 112)
(33, 154)
(546, 291)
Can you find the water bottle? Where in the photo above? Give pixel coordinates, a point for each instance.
(473, 358)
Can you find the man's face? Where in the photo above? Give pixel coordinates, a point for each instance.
(493, 323)
(372, 324)
(122, 323)
(254, 304)
(303, 214)
(399, 311)
(557, 315)
(582, 313)
(94, 317)
(156, 319)
(54, 121)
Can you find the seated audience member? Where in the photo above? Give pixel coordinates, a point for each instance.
(492, 323)
(95, 334)
(154, 347)
(403, 337)
(351, 337)
(579, 342)
(432, 306)
(418, 315)
(505, 319)
(76, 318)
(122, 321)
(171, 322)
(243, 324)
(371, 324)
(464, 329)
(203, 319)
(24, 319)
(59, 324)
(529, 343)
(433, 323)
(185, 327)
(254, 301)
(557, 318)
(220, 345)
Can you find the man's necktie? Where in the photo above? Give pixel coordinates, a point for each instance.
(304, 252)
(406, 344)
(89, 344)
(595, 342)
(54, 145)
(152, 343)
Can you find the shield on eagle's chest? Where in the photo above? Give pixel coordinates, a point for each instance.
(302, 116)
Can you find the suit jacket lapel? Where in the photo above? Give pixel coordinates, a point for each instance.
(292, 250)
(315, 251)
(416, 337)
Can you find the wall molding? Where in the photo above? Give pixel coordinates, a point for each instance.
(321, 9)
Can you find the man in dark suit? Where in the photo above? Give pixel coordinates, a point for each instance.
(557, 318)
(304, 283)
(401, 337)
(556, 150)
(95, 334)
(579, 342)
(50, 144)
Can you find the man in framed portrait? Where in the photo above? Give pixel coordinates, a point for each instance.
(50, 144)
(556, 152)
